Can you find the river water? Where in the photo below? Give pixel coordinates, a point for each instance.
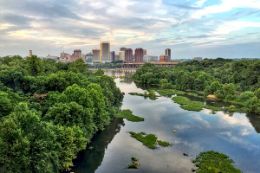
(190, 132)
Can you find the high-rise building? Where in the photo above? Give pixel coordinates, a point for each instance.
(89, 58)
(123, 48)
(96, 55)
(145, 52)
(139, 55)
(113, 56)
(121, 55)
(150, 58)
(76, 55)
(128, 55)
(168, 52)
(105, 52)
(164, 58)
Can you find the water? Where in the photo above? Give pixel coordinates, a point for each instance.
(190, 132)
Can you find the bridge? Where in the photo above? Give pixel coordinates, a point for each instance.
(139, 64)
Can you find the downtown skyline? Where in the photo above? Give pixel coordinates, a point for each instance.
(207, 28)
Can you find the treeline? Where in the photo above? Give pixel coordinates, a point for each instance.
(49, 112)
(233, 81)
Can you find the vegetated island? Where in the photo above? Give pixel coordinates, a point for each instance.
(128, 114)
(147, 94)
(149, 140)
(49, 111)
(214, 162)
(233, 84)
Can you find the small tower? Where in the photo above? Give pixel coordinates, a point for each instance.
(30, 53)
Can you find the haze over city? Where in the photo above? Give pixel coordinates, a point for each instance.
(206, 28)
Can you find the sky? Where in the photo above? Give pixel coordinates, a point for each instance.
(191, 28)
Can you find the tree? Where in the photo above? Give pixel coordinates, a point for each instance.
(27, 143)
(34, 65)
(71, 114)
(5, 104)
(101, 117)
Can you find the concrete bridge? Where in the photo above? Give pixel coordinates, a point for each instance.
(139, 64)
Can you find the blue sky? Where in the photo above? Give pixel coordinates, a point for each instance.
(207, 28)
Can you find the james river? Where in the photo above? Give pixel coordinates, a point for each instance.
(235, 135)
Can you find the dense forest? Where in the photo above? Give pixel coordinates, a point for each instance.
(49, 112)
(232, 81)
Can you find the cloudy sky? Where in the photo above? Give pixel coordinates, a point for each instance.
(208, 28)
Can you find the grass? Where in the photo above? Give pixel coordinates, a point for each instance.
(163, 143)
(214, 162)
(213, 108)
(188, 104)
(149, 140)
(169, 92)
(150, 94)
(128, 114)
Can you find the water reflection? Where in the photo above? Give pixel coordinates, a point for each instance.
(190, 132)
(89, 160)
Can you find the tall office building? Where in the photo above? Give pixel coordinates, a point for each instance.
(76, 55)
(121, 55)
(113, 56)
(129, 55)
(164, 58)
(168, 52)
(105, 52)
(96, 55)
(145, 52)
(139, 55)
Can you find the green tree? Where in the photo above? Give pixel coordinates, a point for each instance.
(5, 104)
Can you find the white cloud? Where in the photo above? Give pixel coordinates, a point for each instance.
(231, 26)
(225, 6)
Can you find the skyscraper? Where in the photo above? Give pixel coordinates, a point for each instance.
(96, 55)
(139, 55)
(113, 56)
(168, 52)
(105, 52)
(121, 55)
(129, 55)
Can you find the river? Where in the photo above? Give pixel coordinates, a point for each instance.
(190, 132)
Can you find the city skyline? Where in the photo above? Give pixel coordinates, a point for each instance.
(202, 28)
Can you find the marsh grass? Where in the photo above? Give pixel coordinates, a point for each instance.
(128, 114)
(214, 162)
(149, 140)
(188, 104)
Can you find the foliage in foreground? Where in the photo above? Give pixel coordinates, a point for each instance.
(128, 114)
(214, 162)
(49, 112)
(149, 140)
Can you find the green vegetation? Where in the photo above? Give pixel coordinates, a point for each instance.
(128, 114)
(147, 94)
(163, 143)
(149, 140)
(188, 104)
(235, 82)
(134, 163)
(214, 162)
(49, 112)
